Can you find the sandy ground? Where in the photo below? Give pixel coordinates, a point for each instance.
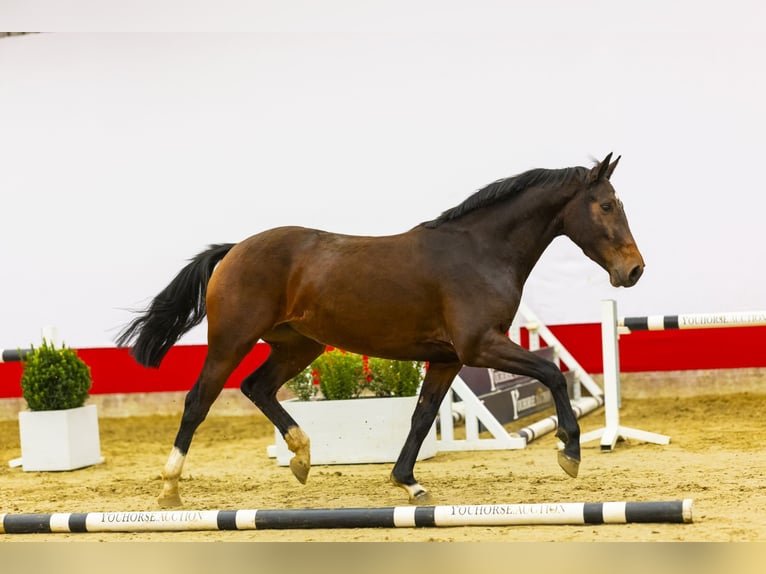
(716, 457)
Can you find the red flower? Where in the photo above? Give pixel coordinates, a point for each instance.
(366, 368)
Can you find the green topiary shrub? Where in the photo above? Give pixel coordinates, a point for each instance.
(395, 378)
(54, 379)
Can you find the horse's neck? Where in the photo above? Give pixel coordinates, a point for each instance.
(519, 229)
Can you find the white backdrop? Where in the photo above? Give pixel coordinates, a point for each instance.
(122, 155)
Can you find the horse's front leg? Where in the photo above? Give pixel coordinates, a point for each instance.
(498, 352)
(437, 382)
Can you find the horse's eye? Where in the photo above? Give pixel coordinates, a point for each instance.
(606, 207)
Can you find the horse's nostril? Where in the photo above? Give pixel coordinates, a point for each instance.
(635, 273)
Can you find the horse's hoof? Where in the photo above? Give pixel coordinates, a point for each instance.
(169, 500)
(421, 498)
(300, 469)
(416, 493)
(299, 443)
(570, 465)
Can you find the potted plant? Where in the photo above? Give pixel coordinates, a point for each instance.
(58, 432)
(395, 378)
(354, 409)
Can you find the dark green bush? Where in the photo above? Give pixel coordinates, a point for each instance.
(54, 379)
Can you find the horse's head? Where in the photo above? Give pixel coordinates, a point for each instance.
(595, 220)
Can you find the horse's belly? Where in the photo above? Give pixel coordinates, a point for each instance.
(393, 336)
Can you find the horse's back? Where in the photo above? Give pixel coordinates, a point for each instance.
(299, 262)
(290, 247)
(343, 290)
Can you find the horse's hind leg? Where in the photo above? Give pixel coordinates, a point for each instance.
(437, 382)
(290, 353)
(216, 369)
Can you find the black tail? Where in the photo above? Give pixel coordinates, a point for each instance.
(174, 311)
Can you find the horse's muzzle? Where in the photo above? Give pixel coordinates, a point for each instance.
(628, 277)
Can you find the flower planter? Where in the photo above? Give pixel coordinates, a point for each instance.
(365, 430)
(59, 440)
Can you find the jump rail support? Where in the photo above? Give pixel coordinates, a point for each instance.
(613, 431)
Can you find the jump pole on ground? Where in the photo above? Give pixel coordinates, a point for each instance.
(572, 513)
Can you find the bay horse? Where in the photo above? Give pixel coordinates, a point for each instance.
(444, 292)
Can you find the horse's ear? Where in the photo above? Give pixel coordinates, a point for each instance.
(610, 169)
(602, 170)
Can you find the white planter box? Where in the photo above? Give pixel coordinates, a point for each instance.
(59, 440)
(366, 430)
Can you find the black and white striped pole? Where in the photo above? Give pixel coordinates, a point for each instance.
(49, 335)
(694, 321)
(572, 513)
(612, 327)
(13, 355)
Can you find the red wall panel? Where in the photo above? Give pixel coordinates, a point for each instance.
(114, 371)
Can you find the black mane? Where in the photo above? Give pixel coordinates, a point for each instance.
(507, 188)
